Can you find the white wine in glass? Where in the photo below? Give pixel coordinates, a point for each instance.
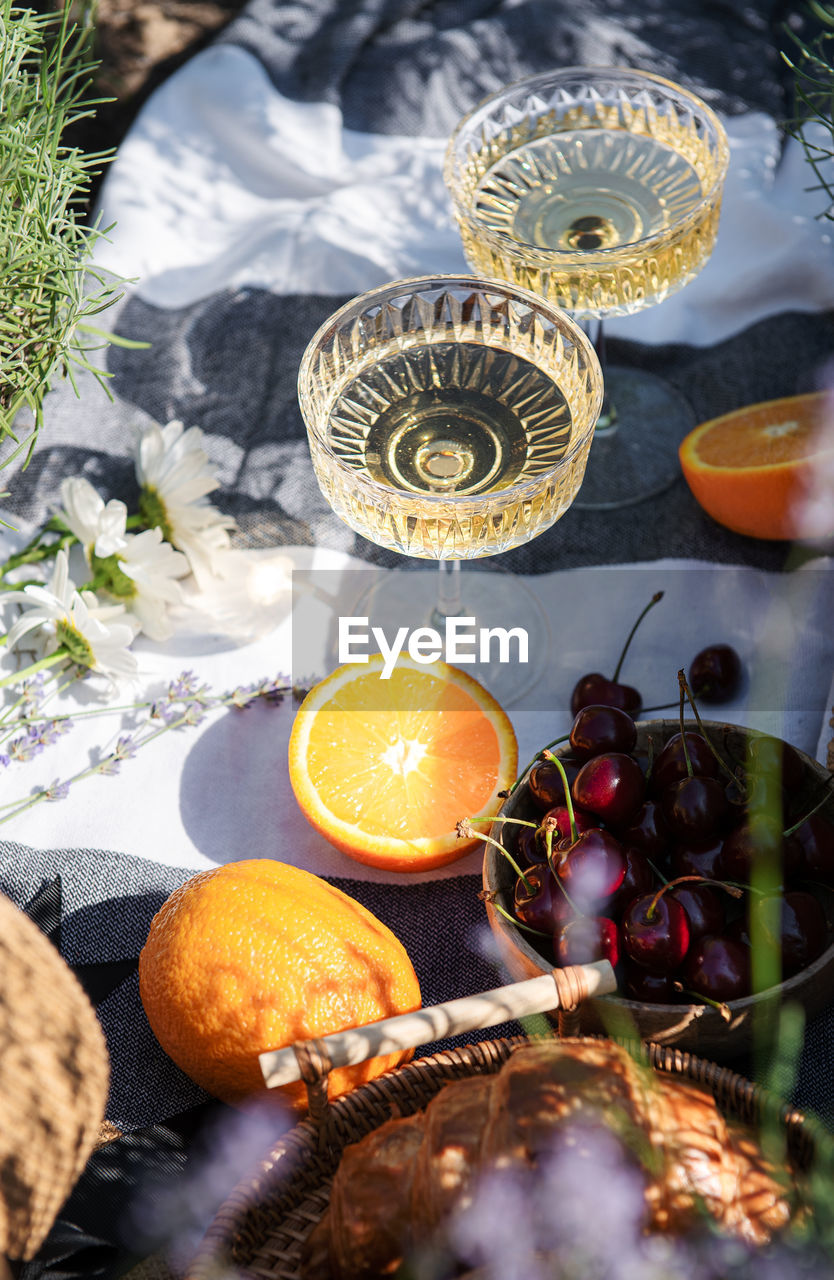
(599, 189)
(450, 418)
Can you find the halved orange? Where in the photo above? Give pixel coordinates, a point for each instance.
(767, 470)
(385, 769)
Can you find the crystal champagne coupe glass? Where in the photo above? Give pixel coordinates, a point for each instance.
(450, 418)
(600, 190)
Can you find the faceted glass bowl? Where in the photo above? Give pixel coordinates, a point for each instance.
(430, 313)
(671, 132)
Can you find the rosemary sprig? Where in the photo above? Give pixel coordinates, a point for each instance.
(813, 72)
(49, 294)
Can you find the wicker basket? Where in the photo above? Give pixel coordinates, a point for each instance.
(261, 1229)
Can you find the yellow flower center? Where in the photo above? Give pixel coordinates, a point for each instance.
(77, 647)
(154, 513)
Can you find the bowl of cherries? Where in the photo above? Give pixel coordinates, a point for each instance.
(697, 856)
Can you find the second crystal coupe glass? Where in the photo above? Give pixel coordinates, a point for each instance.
(599, 189)
(450, 418)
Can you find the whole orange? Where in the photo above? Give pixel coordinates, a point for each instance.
(256, 955)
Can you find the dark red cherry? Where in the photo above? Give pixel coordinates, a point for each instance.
(638, 879)
(719, 968)
(532, 841)
(757, 839)
(670, 763)
(586, 939)
(814, 842)
(698, 858)
(545, 783)
(796, 924)
(559, 817)
(654, 988)
(530, 846)
(540, 903)
(715, 674)
(656, 932)
(592, 868)
(595, 688)
(612, 786)
(600, 728)
(647, 831)
(703, 906)
(694, 807)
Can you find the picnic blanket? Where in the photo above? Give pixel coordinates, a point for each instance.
(294, 163)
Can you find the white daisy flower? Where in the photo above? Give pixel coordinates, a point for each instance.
(99, 527)
(149, 568)
(175, 476)
(75, 620)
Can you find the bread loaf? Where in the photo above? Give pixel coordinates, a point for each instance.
(398, 1186)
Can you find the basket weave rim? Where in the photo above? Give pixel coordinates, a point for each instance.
(305, 1159)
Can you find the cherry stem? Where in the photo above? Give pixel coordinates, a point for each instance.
(656, 598)
(825, 797)
(500, 817)
(569, 899)
(650, 761)
(682, 688)
(548, 835)
(519, 924)
(685, 689)
(555, 743)
(719, 1005)
(732, 889)
(548, 755)
(745, 888)
(661, 877)
(663, 706)
(462, 832)
(548, 849)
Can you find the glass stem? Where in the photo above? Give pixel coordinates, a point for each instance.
(607, 420)
(448, 590)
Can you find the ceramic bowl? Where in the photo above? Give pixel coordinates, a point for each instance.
(692, 1027)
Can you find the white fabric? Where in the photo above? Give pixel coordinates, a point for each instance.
(221, 791)
(223, 183)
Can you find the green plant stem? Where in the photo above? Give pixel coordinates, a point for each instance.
(41, 665)
(516, 868)
(17, 807)
(9, 727)
(501, 817)
(78, 715)
(519, 924)
(574, 833)
(826, 796)
(557, 742)
(720, 1006)
(34, 553)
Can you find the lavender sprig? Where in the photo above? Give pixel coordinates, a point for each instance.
(185, 705)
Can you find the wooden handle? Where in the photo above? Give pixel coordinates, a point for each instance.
(407, 1030)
